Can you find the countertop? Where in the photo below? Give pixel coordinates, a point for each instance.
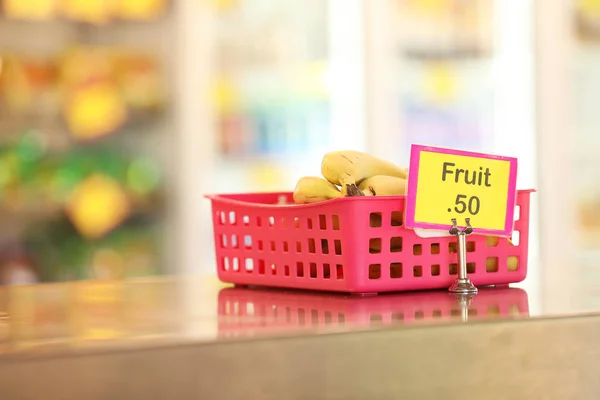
(194, 337)
(80, 317)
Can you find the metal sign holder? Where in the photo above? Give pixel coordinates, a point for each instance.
(462, 285)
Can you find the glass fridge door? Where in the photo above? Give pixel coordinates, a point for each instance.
(284, 85)
(457, 74)
(569, 61)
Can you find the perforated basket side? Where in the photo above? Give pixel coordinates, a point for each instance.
(354, 245)
(394, 258)
(296, 246)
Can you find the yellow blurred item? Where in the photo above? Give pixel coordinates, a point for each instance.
(94, 86)
(225, 97)
(30, 9)
(433, 7)
(140, 9)
(139, 79)
(98, 12)
(97, 205)
(267, 177)
(22, 81)
(589, 215)
(80, 65)
(95, 110)
(16, 91)
(441, 83)
(589, 7)
(224, 5)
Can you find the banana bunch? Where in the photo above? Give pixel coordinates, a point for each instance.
(354, 173)
(351, 173)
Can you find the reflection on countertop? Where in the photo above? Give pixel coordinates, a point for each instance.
(46, 319)
(248, 311)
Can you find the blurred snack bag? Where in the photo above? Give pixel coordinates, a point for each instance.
(94, 110)
(110, 79)
(30, 9)
(97, 205)
(139, 78)
(26, 83)
(92, 105)
(82, 64)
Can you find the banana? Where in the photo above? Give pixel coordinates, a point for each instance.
(395, 245)
(311, 189)
(491, 241)
(512, 263)
(348, 167)
(383, 185)
(491, 263)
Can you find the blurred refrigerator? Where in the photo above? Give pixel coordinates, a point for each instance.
(459, 74)
(285, 84)
(253, 92)
(85, 106)
(451, 73)
(285, 89)
(568, 38)
(293, 79)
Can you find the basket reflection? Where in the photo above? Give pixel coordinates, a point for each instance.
(249, 311)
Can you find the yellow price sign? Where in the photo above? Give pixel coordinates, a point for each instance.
(445, 183)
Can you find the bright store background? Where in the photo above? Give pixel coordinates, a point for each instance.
(210, 96)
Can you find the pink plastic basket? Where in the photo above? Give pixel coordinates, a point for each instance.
(354, 245)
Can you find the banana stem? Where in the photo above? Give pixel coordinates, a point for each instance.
(353, 190)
